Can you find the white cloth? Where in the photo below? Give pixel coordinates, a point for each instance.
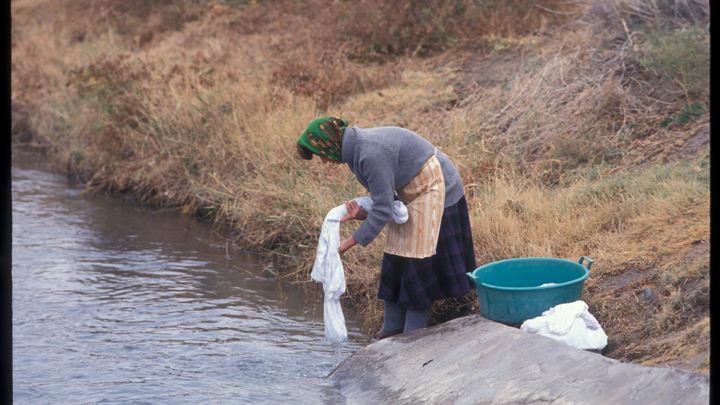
(328, 268)
(571, 324)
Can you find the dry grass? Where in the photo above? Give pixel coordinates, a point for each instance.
(580, 129)
(642, 228)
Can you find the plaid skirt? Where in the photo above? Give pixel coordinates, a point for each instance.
(416, 283)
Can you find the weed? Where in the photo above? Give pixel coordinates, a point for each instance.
(687, 114)
(683, 56)
(641, 13)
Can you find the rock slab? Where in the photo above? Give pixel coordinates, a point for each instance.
(473, 360)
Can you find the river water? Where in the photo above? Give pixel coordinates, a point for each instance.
(116, 304)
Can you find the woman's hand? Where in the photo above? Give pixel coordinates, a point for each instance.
(354, 212)
(346, 244)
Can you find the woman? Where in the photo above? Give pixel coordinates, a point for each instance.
(426, 258)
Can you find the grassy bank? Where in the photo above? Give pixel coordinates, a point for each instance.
(580, 129)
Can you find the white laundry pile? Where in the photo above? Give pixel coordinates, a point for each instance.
(328, 268)
(571, 324)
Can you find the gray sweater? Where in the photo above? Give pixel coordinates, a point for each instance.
(385, 159)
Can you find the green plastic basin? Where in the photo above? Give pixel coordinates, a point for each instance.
(515, 290)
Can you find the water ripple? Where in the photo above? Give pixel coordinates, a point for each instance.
(113, 304)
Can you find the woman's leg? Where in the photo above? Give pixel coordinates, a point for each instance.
(416, 318)
(394, 319)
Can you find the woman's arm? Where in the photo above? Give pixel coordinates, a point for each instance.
(346, 244)
(355, 211)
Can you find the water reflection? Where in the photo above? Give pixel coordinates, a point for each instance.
(116, 304)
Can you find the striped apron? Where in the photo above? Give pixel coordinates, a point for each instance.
(424, 197)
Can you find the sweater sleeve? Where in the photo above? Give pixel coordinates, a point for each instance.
(379, 171)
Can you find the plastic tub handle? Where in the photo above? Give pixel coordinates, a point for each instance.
(590, 262)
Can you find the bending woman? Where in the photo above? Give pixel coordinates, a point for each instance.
(424, 259)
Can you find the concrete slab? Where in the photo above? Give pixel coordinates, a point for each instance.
(473, 360)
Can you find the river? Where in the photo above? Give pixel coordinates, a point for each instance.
(119, 304)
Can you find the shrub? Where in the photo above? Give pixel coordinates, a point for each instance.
(384, 30)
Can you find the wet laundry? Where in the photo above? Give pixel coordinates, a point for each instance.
(571, 324)
(328, 268)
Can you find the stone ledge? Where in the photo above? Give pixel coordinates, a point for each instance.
(473, 360)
